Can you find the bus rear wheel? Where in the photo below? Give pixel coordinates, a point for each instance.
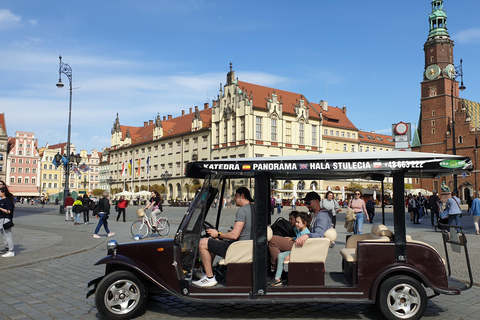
(402, 297)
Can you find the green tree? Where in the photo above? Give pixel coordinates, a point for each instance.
(288, 186)
(97, 192)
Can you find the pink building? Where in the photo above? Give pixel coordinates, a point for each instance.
(23, 165)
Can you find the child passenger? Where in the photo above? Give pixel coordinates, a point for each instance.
(301, 222)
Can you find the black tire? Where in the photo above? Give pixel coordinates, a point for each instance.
(163, 226)
(121, 295)
(402, 297)
(140, 228)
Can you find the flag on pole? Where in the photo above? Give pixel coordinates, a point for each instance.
(130, 166)
(148, 165)
(83, 168)
(138, 172)
(76, 171)
(124, 169)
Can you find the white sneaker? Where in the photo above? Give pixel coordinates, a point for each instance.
(205, 282)
(96, 236)
(12, 254)
(111, 234)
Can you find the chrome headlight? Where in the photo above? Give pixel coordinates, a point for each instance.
(112, 247)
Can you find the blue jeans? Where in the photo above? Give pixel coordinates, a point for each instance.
(451, 219)
(358, 224)
(77, 218)
(279, 208)
(101, 222)
(280, 258)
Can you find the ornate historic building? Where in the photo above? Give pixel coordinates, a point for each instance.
(23, 165)
(448, 123)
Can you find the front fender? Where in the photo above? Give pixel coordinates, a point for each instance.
(137, 266)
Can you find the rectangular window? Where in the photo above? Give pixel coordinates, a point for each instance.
(301, 133)
(187, 145)
(288, 132)
(258, 128)
(195, 144)
(274, 128)
(353, 148)
(217, 134)
(20, 170)
(242, 128)
(170, 148)
(162, 152)
(205, 142)
(331, 132)
(179, 146)
(325, 132)
(314, 135)
(12, 170)
(179, 171)
(234, 130)
(360, 149)
(225, 131)
(345, 147)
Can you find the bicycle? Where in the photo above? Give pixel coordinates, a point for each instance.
(143, 227)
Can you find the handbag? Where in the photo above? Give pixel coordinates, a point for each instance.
(7, 225)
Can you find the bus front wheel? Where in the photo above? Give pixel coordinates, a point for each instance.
(402, 297)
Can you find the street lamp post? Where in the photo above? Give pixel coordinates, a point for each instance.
(72, 159)
(166, 176)
(66, 70)
(457, 72)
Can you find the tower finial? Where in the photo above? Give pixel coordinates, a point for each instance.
(438, 20)
(231, 66)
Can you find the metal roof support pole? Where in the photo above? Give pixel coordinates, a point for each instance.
(259, 230)
(399, 216)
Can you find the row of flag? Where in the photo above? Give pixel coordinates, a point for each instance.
(127, 167)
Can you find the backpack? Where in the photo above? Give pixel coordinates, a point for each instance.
(91, 205)
(370, 206)
(283, 228)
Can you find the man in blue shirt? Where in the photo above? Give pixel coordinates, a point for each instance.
(321, 220)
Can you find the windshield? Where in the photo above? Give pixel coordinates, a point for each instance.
(192, 224)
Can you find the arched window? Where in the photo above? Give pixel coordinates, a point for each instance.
(460, 139)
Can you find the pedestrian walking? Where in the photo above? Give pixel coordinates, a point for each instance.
(370, 205)
(121, 207)
(278, 203)
(103, 214)
(86, 208)
(475, 212)
(7, 207)
(358, 205)
(78, 210)
(434, 207)
(68, 207)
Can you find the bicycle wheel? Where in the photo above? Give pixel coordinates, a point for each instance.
(140, 227)
(163, 226)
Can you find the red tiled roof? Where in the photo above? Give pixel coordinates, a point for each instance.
(261, 95)
(363, 137)
(336, 117)
(172, 127)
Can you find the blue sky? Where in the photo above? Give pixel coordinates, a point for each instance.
(144, 57)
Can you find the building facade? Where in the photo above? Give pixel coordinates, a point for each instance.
(23, 165)
(448, 124)
(157, 152)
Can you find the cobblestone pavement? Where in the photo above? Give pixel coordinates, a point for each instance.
(55, 260)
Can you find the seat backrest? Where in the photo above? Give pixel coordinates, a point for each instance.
(331, 234)
(240, 252)
(381, 230)
(313, 250)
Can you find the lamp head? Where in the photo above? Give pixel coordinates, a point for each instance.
(462, 87)
(60, 84)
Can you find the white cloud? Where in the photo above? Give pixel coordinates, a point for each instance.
(468, 36)
(9, 20)
(33, 22)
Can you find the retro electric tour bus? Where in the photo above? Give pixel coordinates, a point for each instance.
(385, 266)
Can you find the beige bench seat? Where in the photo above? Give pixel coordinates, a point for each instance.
(379, 233)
